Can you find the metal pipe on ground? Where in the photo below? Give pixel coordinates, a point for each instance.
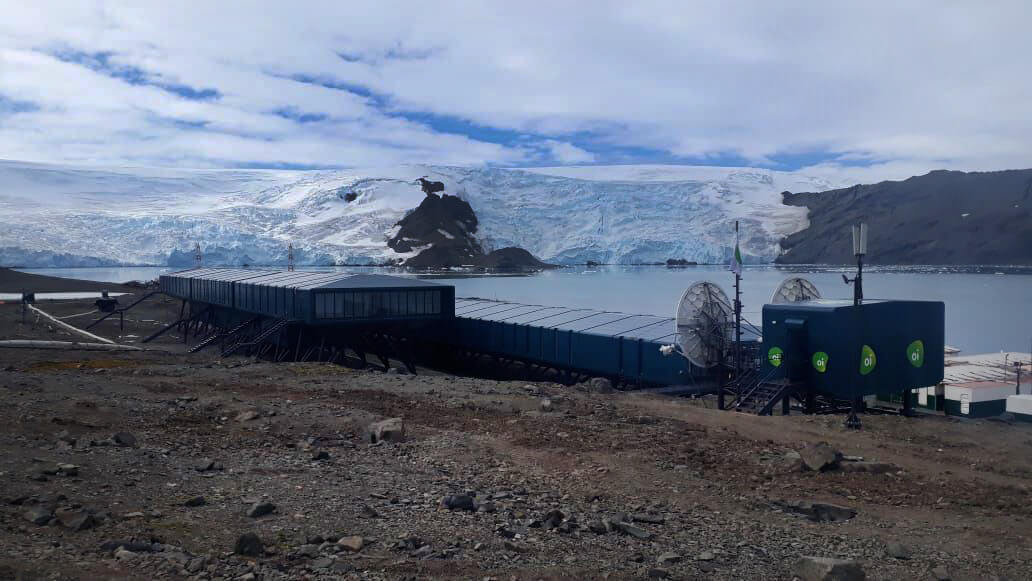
(68, 327)
(65, 345)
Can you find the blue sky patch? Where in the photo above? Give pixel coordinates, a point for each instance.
(103, 62)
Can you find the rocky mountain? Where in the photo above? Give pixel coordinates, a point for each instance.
(943, 217)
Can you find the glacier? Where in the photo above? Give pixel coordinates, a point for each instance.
(57, 215)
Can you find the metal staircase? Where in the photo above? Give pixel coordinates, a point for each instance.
(262, 335)
(763, 396)
(221, 336)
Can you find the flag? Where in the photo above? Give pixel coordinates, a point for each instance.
(736, 257)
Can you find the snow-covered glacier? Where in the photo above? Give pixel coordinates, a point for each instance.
(54, 215)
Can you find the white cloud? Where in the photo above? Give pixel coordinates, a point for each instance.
(911, 86)
(566, 153)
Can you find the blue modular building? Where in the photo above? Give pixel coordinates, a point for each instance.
(620, 346)
(847, 351)
(313, 297)
(363, 312)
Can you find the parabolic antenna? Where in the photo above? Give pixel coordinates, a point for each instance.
(703, 323)
(793, 290)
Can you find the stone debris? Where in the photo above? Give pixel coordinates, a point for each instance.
(940, 573)
(195, 501)
(869, 467)
(248, 415)
(826, 569)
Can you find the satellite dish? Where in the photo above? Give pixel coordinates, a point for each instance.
(794, 290)
(703, 323)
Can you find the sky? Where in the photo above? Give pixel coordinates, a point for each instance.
(858, 91)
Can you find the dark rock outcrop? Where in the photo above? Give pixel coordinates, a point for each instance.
(446, 227)
(944, 217)
(511, 258)
(430, 187)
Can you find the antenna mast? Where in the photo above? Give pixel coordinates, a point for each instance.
(290, 256)
(197, 255)
(738, 322)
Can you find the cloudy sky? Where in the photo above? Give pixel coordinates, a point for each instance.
(861, 89)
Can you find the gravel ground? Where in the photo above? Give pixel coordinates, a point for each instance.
(148, 464)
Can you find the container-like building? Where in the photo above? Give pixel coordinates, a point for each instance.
(313, 297)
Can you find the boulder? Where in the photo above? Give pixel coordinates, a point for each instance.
(124, 439)
(826, 569)
(249, 544)
(195, 501)
(668, 558)
(389, 430)
(259, 509)
(940, 573)
(600, 385)
(820, 457)
(459, 502)
(39, 515)
(248, 415)
(352, 543)
(633, 531)
(897, 550)
(76, 520)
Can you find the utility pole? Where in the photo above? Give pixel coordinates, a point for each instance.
(859, 250)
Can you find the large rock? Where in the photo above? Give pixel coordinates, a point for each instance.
(459, 502)
(124, 439)
(826, 569)
(633, 531)
(389, 430)
(249, 544)
(820, 457)
(259, 509)
(76, 520)
(39, 515)
(600, 385)
(897, 550)
(818, 511)
(352, 543)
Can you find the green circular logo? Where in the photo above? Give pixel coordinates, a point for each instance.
(820, 361)
(775, 355)
(867, 360)
(915, 353)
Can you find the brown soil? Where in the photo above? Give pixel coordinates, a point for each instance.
(961, 498)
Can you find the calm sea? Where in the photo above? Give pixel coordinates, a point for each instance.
(987, 308)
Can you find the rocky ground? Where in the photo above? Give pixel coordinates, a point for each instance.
(160, 464)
